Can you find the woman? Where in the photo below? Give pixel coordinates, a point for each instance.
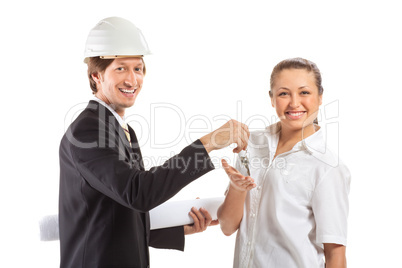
(293, 211)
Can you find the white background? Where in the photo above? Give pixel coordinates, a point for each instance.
(209, 58)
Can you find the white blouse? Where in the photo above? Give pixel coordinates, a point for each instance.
(299, 203)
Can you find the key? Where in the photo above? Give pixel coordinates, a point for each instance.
(245, 162)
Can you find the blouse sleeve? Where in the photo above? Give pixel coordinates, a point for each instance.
(330, 204)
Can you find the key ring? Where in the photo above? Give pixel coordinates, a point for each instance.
(244, 160)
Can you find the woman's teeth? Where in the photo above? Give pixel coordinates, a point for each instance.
(295, 114)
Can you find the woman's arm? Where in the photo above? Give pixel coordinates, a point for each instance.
(230, 213)
(335, 256)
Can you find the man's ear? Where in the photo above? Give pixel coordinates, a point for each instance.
(96, 77)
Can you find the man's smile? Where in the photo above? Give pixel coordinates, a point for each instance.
(128, 91)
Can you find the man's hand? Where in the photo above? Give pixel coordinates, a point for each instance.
(231, 132)
(202, 219)
(237, 180)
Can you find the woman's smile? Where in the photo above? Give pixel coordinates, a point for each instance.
(295, 115)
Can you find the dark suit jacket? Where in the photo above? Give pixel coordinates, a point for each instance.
(105, 193)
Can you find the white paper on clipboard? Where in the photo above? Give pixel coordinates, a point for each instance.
(175, 213)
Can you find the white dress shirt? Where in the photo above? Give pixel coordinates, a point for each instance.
(120, 119)
(299, 203)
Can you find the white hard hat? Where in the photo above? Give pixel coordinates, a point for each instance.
(113, 37)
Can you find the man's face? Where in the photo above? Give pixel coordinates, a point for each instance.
(121, 82)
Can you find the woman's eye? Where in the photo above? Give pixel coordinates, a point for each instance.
(138, 69)
(282, 94)
(120, 68)
(305, 92)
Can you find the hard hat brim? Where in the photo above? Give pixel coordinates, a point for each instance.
(121, 56)
(114, 57)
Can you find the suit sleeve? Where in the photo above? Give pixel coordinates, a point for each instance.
(170, 238)
(101, 161)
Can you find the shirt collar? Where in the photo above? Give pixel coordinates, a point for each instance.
(312, 144)
(118, 117)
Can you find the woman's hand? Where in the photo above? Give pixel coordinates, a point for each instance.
(237, 180)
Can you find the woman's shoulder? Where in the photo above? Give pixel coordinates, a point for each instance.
(329, 162)
(262, 136)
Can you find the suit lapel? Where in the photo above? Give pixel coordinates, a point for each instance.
(117, 137)
(135, 148)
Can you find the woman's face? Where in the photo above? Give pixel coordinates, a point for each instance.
(295, 98)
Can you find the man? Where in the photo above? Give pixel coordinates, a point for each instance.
(105, 193)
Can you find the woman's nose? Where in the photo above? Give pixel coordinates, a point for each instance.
(294, 102)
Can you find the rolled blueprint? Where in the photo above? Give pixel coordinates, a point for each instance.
(175, 213)
(49, 228)
(169, 214)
